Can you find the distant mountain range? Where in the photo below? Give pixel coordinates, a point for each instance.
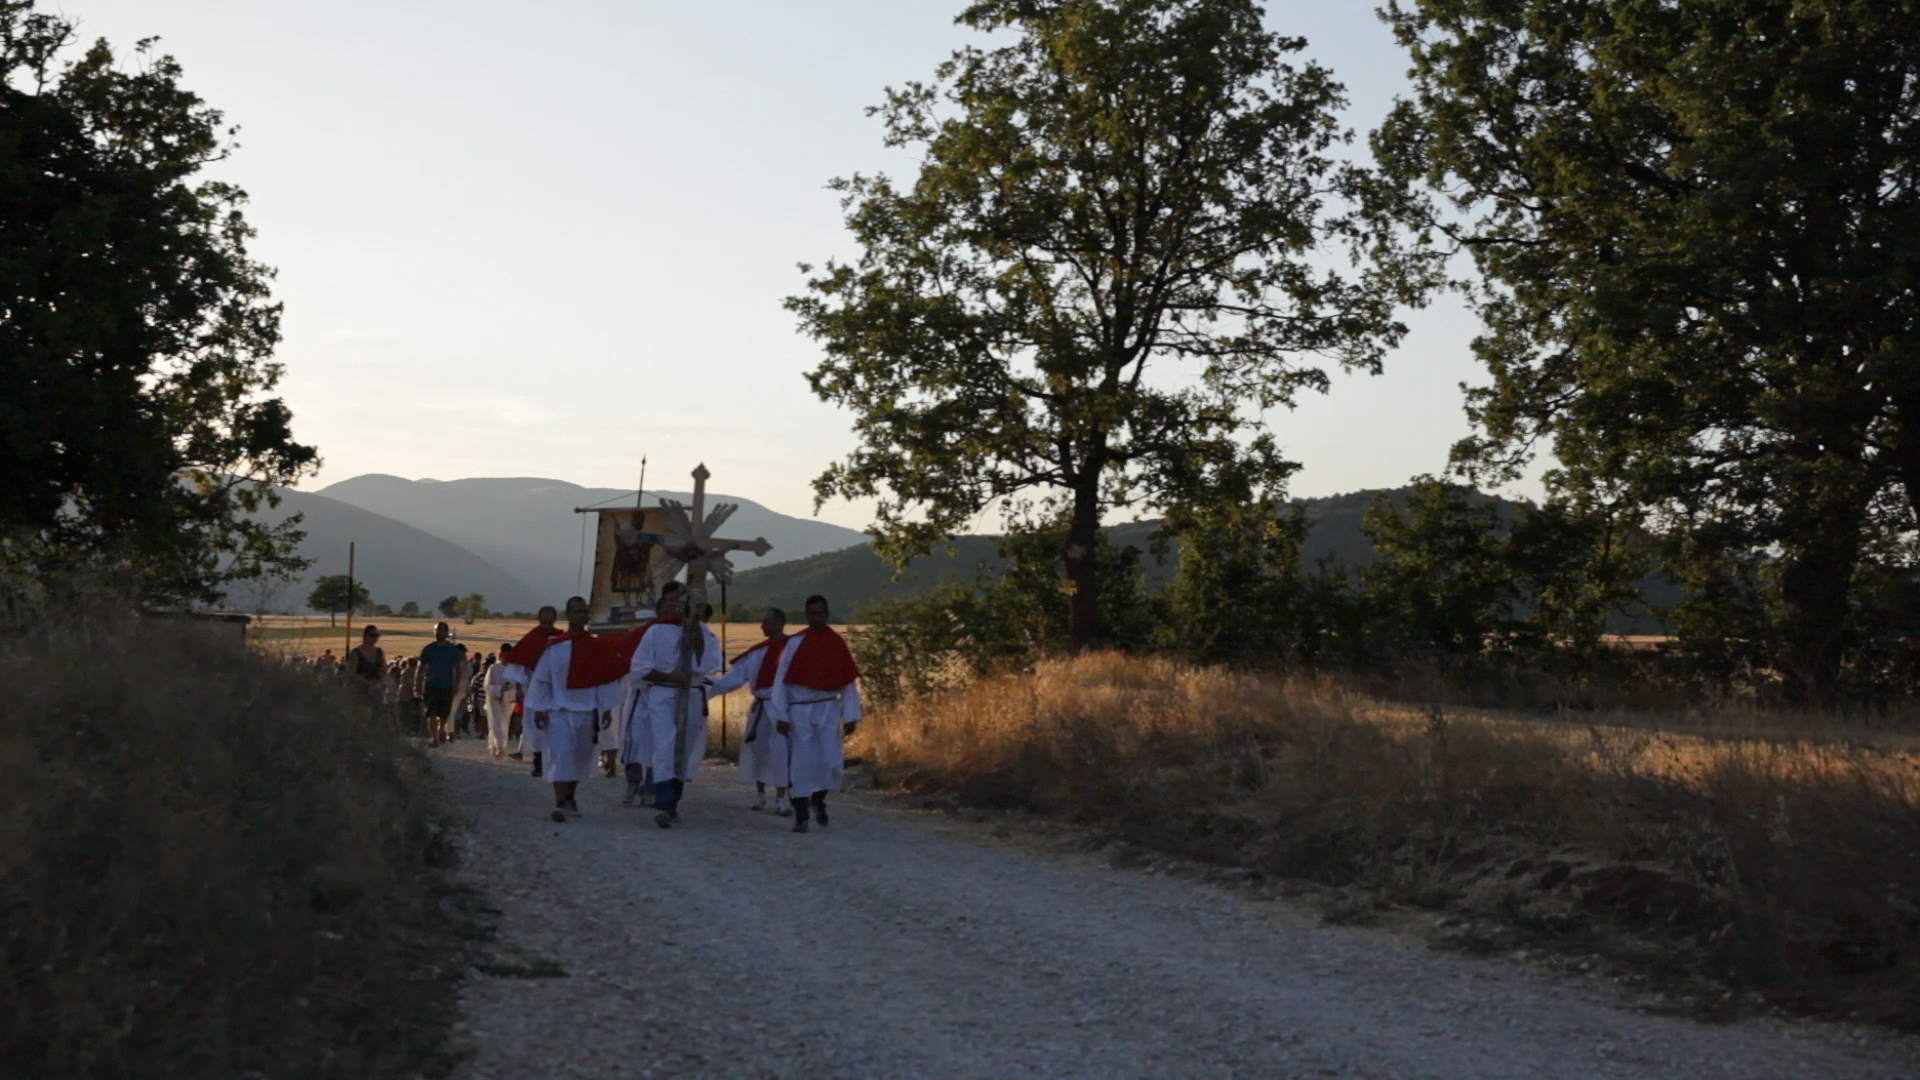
(855, 577)
(515, 541)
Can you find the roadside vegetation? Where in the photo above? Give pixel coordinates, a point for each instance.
(1759, 856)
(212, 866)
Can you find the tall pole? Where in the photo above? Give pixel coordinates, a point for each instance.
(349, 647)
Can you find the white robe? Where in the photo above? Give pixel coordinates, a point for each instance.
(763, 750)
(817, 755)
(653, 737)
(499, 708)
(532, 739)
(573, 714)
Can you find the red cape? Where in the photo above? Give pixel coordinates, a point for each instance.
(770, 664)
(627, 642)
(822, 661)
(594, 662)
(527, 651)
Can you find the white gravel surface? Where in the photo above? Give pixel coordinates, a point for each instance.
(888, 947)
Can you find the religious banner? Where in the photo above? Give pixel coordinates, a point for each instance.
(624, 564)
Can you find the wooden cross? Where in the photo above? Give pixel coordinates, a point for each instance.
(689, 541)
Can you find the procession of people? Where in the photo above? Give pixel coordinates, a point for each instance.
(634, 703)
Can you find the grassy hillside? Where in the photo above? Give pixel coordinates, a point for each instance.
(214, 866)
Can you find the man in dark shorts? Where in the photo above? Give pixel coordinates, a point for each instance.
(440, 664)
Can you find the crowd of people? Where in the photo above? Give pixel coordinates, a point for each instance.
(634, 703)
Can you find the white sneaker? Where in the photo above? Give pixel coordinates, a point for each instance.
(783, 810)
(759, 802)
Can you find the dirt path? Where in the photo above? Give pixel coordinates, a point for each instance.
(884, 948)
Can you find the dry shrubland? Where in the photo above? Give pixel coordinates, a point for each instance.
(212, 866)
(1782, 866)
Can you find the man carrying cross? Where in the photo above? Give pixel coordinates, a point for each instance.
(763, 751)
(574, 688)
(672, 674)
(815, 703)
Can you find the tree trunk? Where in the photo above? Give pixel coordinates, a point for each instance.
(1083, 573)
(1816, 591)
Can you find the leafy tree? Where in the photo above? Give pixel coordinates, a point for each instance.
(449, 607)
(136, 332)
(1112, 260)
(1238, 582)
(473, 606)
(1694, 220)
(337, 592)
(410, 610)
(1442, 584)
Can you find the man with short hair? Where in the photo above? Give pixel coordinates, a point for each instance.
(632, 734)
(499, 694)
(763, 751)
(815, 703)
(574, 687)
(439, 676)
(670, 674)
(521, 659)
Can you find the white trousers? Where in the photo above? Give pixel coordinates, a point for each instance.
(499, 717)
(818, 761)
(763, 758)
(662, 733)
(569, 745)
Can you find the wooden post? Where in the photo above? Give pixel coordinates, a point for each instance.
(349, 648)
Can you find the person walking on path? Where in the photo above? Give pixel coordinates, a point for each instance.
(438, 677)
(500, 695)
(521, 659)
(815, 703)
(763, 751)
(574, 688)
(671, 676)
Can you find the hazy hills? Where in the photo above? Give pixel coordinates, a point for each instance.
(528, 526)
(516, 541)
(854, 576)
(397, 562)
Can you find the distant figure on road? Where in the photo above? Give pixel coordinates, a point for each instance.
(665, 676)
(763, 751)
(438, 677)
(574, 688)
(500, 694)
(815, 703)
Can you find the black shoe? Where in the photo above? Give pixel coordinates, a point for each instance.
(536, 770)
(572, 808)
(663, 819)
(558, 815)
(799, 824)
(820, 811)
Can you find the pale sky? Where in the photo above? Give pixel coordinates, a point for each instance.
(543, 239)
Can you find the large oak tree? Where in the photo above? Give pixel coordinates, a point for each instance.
(1698, 226)
(136, 333)
(1130, 234)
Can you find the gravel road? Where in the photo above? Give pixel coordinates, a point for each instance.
(888, 947)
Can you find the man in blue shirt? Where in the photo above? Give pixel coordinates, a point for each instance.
(441, 664)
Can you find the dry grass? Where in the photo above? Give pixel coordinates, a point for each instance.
(211, 867)
(1789, 867)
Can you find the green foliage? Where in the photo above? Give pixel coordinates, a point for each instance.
(1001, 621)
(1694, 222)
(1241, 595)
(136, 342)
(449, 607)
(410, 610)
(1112, 259)
(473, 606)
(338, 592)
(1443, 585)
